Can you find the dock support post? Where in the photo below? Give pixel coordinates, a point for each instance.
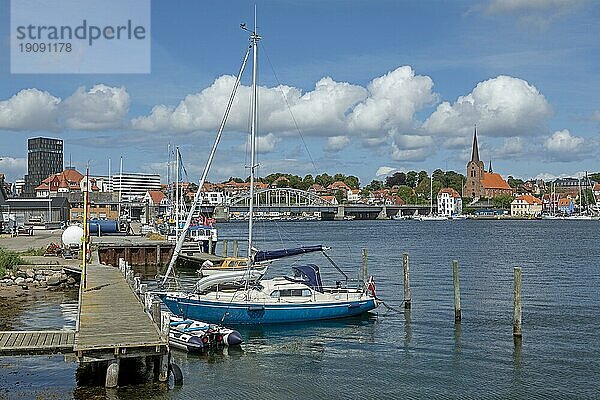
(517, 332)
(235, 248)
(210, 246)
(365, 271)
(157, 256)
(457, 314)
(163, 374)
(156, 312)
(405, 267)
(112, 374)
(165, 320)
(225, 247)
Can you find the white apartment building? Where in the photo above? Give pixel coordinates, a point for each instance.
(526, 206)
(213, 198)
(449, 202)
(133, 186)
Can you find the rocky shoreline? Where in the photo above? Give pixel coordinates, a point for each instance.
(38, 277)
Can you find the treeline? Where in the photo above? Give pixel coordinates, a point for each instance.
(414, 187)
(303, 183)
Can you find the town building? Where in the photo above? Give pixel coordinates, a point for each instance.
(44, 158)
(101, 205)
(481, 183)
(566, 205)
(596, 192)
(449, 202)
(526, 205)
(68, 181)
(353, 195)
(133, 186)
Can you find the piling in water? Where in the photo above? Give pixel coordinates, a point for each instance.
(457, 314)
(235, 248)
(405, 267)
(517, 304)
(225, 247)
(365, 276)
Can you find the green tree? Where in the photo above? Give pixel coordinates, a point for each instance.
(407, 194)
(340, 196)
(352, 182)
(307, 182)
(295, 182)
(503, 201)
(399, 178)
(514, 182)
(374, 185)
(324, 179)
(411, 179)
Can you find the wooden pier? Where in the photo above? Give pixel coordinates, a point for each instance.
(36, 342)
(112, 326)
(112, 321)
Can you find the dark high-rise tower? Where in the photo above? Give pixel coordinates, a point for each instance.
(44, 158)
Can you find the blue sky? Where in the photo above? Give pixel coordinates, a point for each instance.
(375, 87)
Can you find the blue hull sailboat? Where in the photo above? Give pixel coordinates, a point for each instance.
(244, 297)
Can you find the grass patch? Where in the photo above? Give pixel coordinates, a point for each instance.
(8, 260)
(33, 252)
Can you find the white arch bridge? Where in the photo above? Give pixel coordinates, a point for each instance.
(280, 197)
(288, 201)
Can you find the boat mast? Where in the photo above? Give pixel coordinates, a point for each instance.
(197, 196)
(176, 192)
(254, 38)
(431, 195)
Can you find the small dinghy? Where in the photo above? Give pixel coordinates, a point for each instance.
(196, 336)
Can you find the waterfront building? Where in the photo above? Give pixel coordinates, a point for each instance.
(212, 198)
(133, 186)
(44, 158)
(449, 202)
(526, 205)
(330, 199)
(566, 205)
(481, 183)
(596, 191)
(353, 195)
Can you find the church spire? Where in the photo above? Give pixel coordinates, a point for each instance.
(475, 154)
(491, 170)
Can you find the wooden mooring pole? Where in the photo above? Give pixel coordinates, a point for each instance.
(406, 269)
(517, 332)
(225, 248)
(235, 248)
(365, 271)
(457, 314)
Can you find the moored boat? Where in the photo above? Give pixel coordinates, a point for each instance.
(195, 336)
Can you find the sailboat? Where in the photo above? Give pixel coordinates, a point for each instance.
(244, 297)
(582, 215)
(553, 215)
(431, 216)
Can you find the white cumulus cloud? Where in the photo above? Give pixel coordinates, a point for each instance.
(28, 110)
(13, 168)
(393, 100)
(101, 107)
(502, 106)
(562, 146)
(337, 143)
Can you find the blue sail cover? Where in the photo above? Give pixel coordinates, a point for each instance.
(309, 275)
(275, 254)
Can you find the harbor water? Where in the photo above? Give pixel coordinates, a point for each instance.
(391, 354)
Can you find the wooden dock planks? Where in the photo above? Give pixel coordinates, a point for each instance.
(110, 315)
(26, 342)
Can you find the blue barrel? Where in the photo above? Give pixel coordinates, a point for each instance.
(105, 225)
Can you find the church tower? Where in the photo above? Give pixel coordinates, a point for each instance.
(475, 169)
